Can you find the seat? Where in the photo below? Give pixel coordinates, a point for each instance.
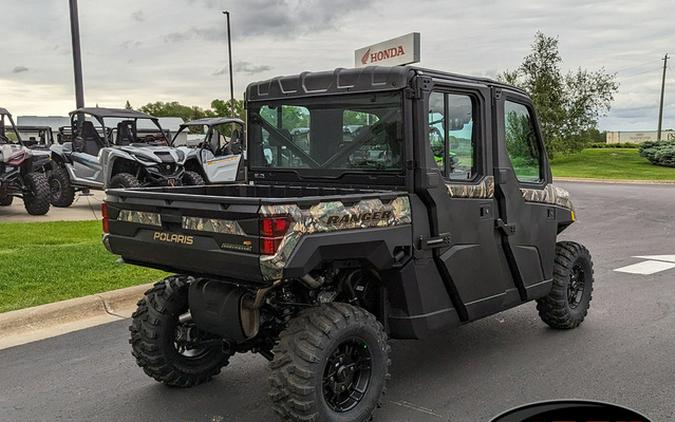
(125, 134)
(235, 142)
(92, 143)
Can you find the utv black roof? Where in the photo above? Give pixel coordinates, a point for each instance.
(342, 81)
(121, 113)
(212, 121)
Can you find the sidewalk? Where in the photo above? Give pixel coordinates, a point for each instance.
(84, 208)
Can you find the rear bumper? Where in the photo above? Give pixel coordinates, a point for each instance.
(202, 259)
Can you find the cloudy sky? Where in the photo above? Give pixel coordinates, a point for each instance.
(166, 50)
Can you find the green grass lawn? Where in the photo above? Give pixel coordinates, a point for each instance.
(610, 163)
(47, 262)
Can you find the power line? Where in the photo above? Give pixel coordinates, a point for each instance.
(641, 73)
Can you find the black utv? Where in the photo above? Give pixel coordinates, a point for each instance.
(22, 169)
(436, 208)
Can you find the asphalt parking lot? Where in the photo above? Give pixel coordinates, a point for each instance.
(623, 353)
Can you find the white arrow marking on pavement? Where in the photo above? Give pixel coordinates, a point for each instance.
(667, 258)
(655, 264)
(646, 267)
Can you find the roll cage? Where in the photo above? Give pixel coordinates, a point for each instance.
(4, 138)
(126, 131)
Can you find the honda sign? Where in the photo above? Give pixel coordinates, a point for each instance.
(397, 51)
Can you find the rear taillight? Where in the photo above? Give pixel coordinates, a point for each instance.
(105, 219)
(272, 232)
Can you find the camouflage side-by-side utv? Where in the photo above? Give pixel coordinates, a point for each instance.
(436, 208)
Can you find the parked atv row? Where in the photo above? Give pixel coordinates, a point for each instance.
(22, 169)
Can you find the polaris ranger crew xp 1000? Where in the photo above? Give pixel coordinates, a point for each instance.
(435, 209)
(107, 148)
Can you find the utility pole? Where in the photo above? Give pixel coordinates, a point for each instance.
(77, 57)
(663, 89)
(229, 52)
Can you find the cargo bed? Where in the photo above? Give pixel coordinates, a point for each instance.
(214, 230)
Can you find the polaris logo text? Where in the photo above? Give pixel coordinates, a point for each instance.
(378, 56)
(358, 218)
(173, 238)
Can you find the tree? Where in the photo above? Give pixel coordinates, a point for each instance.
(224, 108)
(175, 109)
(128, 106)
(568, 106)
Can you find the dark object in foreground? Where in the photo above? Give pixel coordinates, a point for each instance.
(384, 202)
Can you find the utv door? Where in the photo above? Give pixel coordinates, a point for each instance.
(467, 248)
(528, 228)
(86, 166)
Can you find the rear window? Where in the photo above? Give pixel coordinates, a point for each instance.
(348, 133)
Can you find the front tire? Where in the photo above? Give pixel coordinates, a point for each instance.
(331, 364)
(124, 180)
(36, 198)
(568, 302)
(62, 192)
(192, 178)
(6, 200)
(156, 331)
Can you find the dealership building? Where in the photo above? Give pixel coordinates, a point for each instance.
(638, 136)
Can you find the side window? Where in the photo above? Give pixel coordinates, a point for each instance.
(437, 128)
(451, 134)
(521, 142)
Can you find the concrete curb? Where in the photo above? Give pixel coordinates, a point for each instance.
(103, 307)
(614, 181)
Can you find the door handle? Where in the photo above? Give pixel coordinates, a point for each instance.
(507, 229)
(440, 241)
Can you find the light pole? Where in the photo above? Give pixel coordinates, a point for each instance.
(229, 52)
(77, 57)
(663, 88)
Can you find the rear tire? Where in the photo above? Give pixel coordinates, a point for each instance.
(154, 329)
(124, 180)
(331, 364)
(6, 201)
(192, 178)
(568, 302)
(36, 199)
(62, 192)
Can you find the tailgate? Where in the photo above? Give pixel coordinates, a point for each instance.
(184, 232)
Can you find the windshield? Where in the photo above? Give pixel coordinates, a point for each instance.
(349, 134)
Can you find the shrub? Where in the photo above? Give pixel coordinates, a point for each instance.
(659, 153)
(619, 145)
